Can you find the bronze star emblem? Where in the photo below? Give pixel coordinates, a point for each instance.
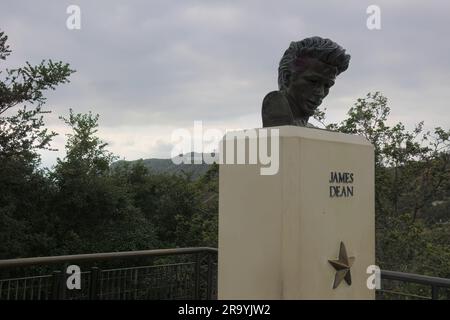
(342, 267)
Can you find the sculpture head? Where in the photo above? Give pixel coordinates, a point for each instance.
(307, 70)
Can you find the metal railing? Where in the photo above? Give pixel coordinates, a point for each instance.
(401, 285)
(182, 273)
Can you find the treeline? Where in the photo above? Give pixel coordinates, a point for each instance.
(84, 206)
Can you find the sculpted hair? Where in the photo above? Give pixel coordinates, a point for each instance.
(324, 50)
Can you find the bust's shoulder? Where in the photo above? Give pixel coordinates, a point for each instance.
(273, 97)
(276, 110)
(275, 101)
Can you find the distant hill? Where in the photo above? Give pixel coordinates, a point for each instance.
(168, 166)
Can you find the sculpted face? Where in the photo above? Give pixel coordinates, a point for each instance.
(308, 85)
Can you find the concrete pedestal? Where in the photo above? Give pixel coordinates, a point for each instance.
(277, 232)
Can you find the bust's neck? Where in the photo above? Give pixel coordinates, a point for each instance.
(295, 109)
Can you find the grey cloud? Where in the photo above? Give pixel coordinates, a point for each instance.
(146, 63)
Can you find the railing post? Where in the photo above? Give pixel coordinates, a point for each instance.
(434, 292)
(93, 285)
(210, 277)
(57, 286)
(197, 276)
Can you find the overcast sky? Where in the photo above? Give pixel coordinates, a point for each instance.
(149, 67)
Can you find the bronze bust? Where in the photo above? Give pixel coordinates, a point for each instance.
(306, 72)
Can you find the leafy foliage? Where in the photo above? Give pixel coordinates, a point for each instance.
(25, 221)
(22, 132)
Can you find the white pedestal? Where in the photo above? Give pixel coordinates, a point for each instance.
(277, 232)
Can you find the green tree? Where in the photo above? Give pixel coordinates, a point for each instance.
(23, 131)
(95, 211)
(25, 226)
(207, 216)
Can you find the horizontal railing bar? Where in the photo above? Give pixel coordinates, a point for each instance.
(47, 276)
(409, 295)
(102, 256)
(415, 278)
(156, 266)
